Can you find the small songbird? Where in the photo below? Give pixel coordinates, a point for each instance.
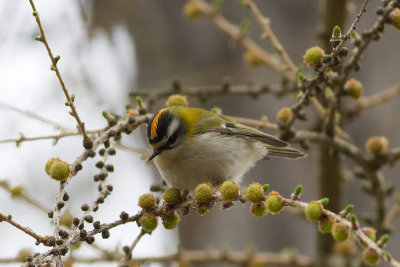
(192, 146)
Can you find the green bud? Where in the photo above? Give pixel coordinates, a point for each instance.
(147, 201)
(203, 210)
(377, 145)
(354, 88)
(191, 10)
(216, 110)
(17, 191)
(337, 32)
(148, 222)
(383, 240)
(49, 163)
(274, 202)
(229, 191)
(313, 56)
(284, 114)
(349, 208)
(66, 219)
(370, 257)
(204, 192)
(59, 170)
(35, 13)
(139, 101)
(258, 209)
(395, 18)
(339, 232)
(23, 254)
(255, 192)
(105, 114)
(171, 195)
(324, 201)
(371, 233)
(300, 76)
(313, 211)
(297, 191)
(325, 225)
(177, 100)
(170, 220)
(265, 187)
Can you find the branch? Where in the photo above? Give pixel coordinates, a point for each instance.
(128, 254)
(54, 60)
(376, 99)
(203, 92)
(35, 116)
(268, 33)
(234, 32)
(21, 194)
(45, 240)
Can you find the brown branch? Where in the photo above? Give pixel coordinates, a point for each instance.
(128, 256)
(203, 92)
(393, 213)
(55, 137)
(268, 33)
(22, 194)
(376, 99)
(70, 100)
(235, 33)
(39, 239)
(35, 116)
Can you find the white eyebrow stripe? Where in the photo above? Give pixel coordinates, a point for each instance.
(173, 127)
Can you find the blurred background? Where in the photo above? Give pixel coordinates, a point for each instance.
(112, 48)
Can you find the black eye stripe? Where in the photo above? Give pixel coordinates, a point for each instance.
(171, 140)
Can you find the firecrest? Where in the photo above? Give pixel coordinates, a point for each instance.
(193, 146)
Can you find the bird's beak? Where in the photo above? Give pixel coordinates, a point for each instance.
(154, 154)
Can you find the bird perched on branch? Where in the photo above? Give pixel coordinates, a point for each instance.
(193, 146)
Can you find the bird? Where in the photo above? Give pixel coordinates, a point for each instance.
(193, 146)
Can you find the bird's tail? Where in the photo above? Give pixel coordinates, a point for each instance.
(285, 152)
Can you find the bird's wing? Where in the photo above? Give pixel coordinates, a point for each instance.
(226, 127)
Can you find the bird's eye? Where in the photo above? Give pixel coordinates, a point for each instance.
(172, 139)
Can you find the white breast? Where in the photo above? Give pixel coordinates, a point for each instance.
(210, 157)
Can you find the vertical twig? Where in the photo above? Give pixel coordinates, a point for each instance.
(54, 60)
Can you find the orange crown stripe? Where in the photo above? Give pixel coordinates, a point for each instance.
(155, 124)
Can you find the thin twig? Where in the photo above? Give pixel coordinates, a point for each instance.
(234, 32)
(55, 137)
(26, 230)
(128, 256)
(268, 33)
(35, 116)
(376, 99)
(70, 100)
(22, 194)
(393, 213)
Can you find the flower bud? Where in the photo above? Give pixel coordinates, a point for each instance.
(229, 191)
(370, 257)
(49, 163)
(313, 211)
(177, 100)
(148, 222)
(284, 114)
(191, 10)
(376, 144)
(258, 209)
(274, 202)
(59, 170)
(170, 220)
(66, 219)
(255, 192)
(339, 232)
(371, 233)
(252, 59)
(395, 18)
(203, 192)
(171, 195)
(313, 56)
(325, 225)
(353, 88)
(147, 201)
